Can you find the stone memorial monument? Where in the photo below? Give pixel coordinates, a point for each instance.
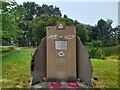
(61, 56)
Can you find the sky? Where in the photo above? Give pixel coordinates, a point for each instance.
(85, 12)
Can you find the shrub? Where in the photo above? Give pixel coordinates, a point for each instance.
(96, 53)
(101, 53)
(108, 51)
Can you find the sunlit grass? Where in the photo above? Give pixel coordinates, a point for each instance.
(6, 49)
(16, 69)
(106, 72)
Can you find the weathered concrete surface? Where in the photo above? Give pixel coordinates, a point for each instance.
(84, 67)
(38, 65)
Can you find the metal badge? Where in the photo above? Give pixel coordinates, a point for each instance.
(61, 25)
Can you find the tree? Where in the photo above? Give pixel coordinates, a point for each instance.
(65, 16)
(118, 37)
(34, 11)
(75, 23)
(82, 33)
(31, 8)
(117, 33)
(39, 26)
(104, 32)
(10, 18)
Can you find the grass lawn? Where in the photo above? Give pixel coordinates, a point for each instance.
(106, 72)
(6, 49)
(16, 71)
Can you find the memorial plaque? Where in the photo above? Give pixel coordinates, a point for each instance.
(61, 45)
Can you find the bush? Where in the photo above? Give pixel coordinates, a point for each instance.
(108, 51)
(101, 53)
(96, 53)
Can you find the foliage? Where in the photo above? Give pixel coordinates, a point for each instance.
(11, 16)
(40, 23)
(39, 26)
(108, 51)
(25, 25)
(82, 32)
(33, 33)
(105, 52)
(118, 33)
(104, 32)
(96, 53)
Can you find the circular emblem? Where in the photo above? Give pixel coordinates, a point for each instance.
(60, 26)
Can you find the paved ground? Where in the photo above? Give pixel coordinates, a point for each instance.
(46, 85)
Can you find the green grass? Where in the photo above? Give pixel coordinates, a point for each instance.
(6, 49)
(16, 71)
(106, 72)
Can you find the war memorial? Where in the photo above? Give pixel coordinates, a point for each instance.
(61, 60)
